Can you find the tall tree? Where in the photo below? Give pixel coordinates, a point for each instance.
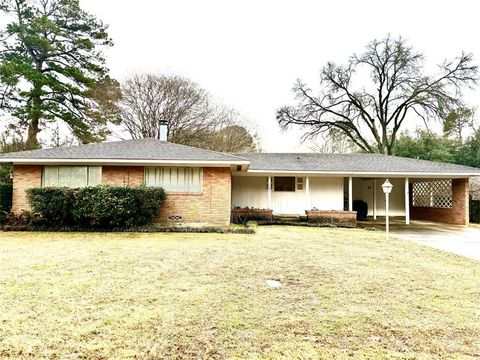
(50, 63)
(191, 115)
(373, 117)
(427, 146)
(457, 121)
(468, 153)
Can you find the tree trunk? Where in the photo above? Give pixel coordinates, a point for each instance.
(33, 130)
(35, 115)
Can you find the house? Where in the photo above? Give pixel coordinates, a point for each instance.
(202, 186)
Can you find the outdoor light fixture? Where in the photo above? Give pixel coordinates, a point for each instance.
(387, 189)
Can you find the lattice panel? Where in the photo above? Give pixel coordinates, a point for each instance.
(434, 194)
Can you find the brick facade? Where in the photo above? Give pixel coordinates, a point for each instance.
(210, 207)
(24, 177)
(459, 212)
(123, 175)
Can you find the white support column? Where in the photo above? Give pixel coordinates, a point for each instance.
(269, 192)
(407, 201)
(350, 194)
(374, 199)
(307, 193)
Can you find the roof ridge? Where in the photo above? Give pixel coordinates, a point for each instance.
(211, 151)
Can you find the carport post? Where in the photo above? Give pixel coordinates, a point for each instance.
(407, 201)
(307, 192)
(374, 199)
(269, 192)
(350, 194)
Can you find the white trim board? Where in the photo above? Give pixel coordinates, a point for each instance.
(356, 174)
(213, 163)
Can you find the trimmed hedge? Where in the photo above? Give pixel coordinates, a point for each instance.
(5, 197)
(133, 229)
(96, 206)
(54, 205)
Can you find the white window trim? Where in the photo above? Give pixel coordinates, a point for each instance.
(296, 183)
(302, 182)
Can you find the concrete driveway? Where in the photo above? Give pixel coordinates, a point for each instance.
(461, 240)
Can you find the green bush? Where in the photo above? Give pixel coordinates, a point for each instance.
(5, 197)
(54, 204)
(97, 206)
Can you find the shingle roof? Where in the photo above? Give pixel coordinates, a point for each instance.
(349, 163)
(154, 150)
(142, 149)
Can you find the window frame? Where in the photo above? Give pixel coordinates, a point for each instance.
(87, 179)
(194, 190)
(274, 185)
(301, 182)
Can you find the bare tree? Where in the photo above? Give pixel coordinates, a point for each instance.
(336, 142)
(230, 138)
(372, 118)
(191, 115)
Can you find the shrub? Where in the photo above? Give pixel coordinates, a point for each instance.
(11, 222)
(97, 206)
(53, 204)
(111, 206)
(5, 197)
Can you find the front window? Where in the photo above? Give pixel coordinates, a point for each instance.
(71, 176)
(175, 179)
(284, 183)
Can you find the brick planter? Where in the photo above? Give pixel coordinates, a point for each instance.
(241, 216)
(334, 217)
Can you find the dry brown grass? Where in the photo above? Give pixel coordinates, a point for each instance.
(346, 293)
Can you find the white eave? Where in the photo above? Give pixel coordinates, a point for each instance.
(132, 162)
(391, 174)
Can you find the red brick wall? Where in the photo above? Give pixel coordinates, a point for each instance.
(122, 175)
(24, 177)
(459, 212)
(211, 207)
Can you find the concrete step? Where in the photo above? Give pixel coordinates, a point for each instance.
(289, 218)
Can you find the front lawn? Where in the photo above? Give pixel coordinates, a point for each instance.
(345, 293)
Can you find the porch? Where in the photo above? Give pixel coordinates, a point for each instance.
(435, 199)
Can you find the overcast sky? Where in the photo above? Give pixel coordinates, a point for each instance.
(249, 53)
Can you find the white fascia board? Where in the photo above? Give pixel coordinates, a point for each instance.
(212, 163)
(358, 174)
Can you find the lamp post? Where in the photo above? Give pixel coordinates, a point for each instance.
(387, 189)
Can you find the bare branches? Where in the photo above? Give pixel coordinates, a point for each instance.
(192, 117)
(372, 118)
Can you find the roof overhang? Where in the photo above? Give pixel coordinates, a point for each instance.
(130, 162)
(376, 174)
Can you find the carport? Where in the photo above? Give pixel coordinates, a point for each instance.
(430, 197)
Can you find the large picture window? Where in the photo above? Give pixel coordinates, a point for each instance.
(175, 179)
(71, 176)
